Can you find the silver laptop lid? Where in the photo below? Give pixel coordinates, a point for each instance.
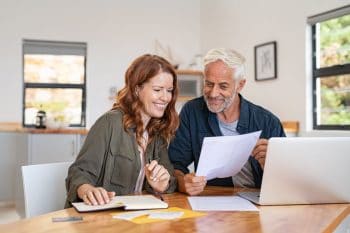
(306, 170)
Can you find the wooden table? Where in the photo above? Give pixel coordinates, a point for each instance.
(297, 218)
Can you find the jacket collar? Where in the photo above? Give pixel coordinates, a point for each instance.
(243, 121)
(212, 119)
(214, 124)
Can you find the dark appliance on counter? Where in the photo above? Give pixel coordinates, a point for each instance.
(40, 120)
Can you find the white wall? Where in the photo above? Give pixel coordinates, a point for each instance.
(116, 32)
(242, 24)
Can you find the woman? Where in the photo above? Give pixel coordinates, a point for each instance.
(129, 143)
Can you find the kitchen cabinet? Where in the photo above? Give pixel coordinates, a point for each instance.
(52, 148)
(27, 146)
(190, 84)
(44, 148)
(10, 146)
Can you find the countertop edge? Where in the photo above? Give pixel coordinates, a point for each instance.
(17, 128)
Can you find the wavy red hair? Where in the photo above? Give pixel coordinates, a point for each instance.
(139, 72)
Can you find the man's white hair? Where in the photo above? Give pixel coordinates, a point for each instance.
(230, 57)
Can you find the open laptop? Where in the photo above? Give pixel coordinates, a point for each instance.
(305, 170)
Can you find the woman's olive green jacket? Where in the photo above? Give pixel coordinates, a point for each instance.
(110, 159)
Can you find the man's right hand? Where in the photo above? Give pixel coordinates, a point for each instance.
(189, 183)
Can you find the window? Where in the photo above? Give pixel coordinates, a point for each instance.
(331, 69)
(54, 81)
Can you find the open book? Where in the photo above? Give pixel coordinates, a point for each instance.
(136, 202)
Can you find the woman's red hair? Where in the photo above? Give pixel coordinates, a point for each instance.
(139, 72)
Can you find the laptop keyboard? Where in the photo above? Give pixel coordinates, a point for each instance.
(251, 196)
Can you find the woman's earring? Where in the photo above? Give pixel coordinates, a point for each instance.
(137, 89)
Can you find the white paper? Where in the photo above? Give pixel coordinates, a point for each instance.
(151, 214)
(224, 156)
(166, 215)
(131, 215)
(221, 203)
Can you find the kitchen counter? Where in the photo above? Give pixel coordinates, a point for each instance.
(18, 128)
(289, 127)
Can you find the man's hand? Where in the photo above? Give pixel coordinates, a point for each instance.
(92, 195)
(189, 183)
(259, 151)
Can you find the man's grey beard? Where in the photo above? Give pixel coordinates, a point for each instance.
(227, 103)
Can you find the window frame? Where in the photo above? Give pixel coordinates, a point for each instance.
(55, 85)
(319, 73)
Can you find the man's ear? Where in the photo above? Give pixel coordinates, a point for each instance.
(241, 84)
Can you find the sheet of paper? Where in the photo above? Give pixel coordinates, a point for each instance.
(166, 215)
(224, 156)
(221, 203)
(148, 216)
(131, 215)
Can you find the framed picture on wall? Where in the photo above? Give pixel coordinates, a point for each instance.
(265, 61)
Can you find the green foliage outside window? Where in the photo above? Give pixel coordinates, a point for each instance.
(334, 46)
(335, 41)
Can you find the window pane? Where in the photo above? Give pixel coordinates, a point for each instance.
(59, 104)
(68, 69)
(333, 42)
(333, 100)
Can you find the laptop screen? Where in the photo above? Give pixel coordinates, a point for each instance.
(306, 170)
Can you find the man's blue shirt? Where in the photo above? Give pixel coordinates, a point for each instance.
(197, 122)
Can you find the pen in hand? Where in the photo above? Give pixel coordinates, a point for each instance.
(156, 194)
(152, 176)
(157, 175)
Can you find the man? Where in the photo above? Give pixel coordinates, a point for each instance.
(221, 111)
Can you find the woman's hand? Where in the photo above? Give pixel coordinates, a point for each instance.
(92, 195)
(157, 176)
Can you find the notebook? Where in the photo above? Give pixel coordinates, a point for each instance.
(305, 170)
(136, 202)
